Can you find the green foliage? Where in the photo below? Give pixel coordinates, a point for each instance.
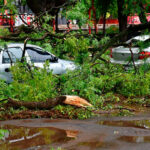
(92, 83)
(77, 48)
(79, 12)
(111, 97)
(104, 40)
(135, 6)
(74, 113)
(32, 84)
(72, 48)
(1, 3)
(106, 6)
(112, 30)
(133, 85)
(4, 31)
(10, 6)
(4, 90)
(23, 2)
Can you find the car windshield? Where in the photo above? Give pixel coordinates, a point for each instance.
(37, 55)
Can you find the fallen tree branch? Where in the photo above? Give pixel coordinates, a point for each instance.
(47, 34)
(49, 103)
(23, 21)
(36, 105)
(7, 38)
(112, 41)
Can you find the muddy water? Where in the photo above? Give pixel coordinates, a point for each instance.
(103, 133)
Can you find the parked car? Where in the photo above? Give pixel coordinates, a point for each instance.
(34, 54)
(127, 55)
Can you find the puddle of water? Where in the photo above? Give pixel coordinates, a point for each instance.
(97, 144)
(143, 124)
(17, 138)
(135, 139)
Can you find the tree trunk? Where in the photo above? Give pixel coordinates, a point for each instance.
(122, 19)
(104, 24)
(56, 23)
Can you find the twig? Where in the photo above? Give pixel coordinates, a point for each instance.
(3, 100)
(100, 63)
(132, 57)
(124, 108)
(24, 49)
(24, 21)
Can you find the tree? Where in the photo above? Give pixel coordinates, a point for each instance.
(122, 18)
(39, 6)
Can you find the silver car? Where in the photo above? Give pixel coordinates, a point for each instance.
(129, 55)
(34, 54)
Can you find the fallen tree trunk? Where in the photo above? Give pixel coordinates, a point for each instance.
(50, 103)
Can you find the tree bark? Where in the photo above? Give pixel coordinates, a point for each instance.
(122, 19)
(49, 103)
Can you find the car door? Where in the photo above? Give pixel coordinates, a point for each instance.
(39, 57)
(7, 58)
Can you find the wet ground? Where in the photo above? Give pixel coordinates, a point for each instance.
(102, 133)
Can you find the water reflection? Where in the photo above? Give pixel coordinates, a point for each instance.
(21, 137)
(92, 145)
(3, 134)
(135, 139)
(143, 124)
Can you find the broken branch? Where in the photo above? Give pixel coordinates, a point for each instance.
(50, 103)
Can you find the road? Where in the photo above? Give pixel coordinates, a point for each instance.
(100, 133)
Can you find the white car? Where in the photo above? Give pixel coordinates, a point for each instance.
(34, 54)
(126, 55)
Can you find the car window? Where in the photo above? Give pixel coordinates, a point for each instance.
(12, 54)
(37, 55)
